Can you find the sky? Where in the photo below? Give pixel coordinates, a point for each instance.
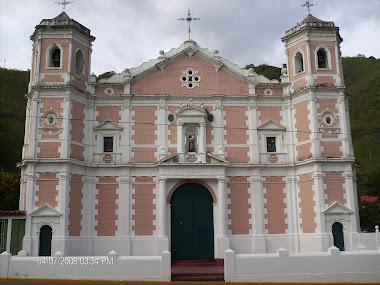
(131, 32)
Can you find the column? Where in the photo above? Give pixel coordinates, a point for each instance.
(162, 127)
(252, 119)
(63, 198)
(88, 199)
(315, 145)
(293, 220)
(319, 205)
(65, 145)
(222, 239)
(180, 144)
(259, 241)
(124, 219)
(162, 241)
(202, 142)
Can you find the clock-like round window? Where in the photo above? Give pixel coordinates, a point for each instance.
(328, 120)
(50, 120)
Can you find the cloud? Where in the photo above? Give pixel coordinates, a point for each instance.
(130, 32)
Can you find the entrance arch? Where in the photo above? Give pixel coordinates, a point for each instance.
(45, 241)
(337, 231)
(192, 226)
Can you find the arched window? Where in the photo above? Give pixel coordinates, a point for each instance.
(337, 231)
(45, 241)
(298, 62)
(54, 56)
(322, 58)
(79, 61)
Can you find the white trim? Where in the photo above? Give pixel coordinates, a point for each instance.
(48, 60)
(294, 62)
(84, 61)
(328, 58)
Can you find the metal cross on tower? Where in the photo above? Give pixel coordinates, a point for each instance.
(64, 3)
(189, 19)
(308, 5)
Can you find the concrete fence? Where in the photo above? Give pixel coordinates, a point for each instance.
(320, 267)
(110, 267)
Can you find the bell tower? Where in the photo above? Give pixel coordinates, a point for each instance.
(313, 54)
(61, 53)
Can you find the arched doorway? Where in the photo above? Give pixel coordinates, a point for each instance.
(337, 231)
(45, 241)
(192, 228)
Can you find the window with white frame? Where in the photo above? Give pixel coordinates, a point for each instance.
(298, 62)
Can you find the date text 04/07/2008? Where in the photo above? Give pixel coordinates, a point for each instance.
(74, 260)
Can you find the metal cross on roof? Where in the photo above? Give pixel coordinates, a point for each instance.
(64, 3)
(308, 5)
(189, 19)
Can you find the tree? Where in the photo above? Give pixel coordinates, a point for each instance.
(9, 191)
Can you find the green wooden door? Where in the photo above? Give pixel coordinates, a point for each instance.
(17, 234)
(192, 230)
(45, 241)
(337, 230)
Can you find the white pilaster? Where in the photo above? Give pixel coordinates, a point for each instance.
(162, 242)
(252, 125)
(222, 240)
(124, 217)
(293, 213)
(315, 145)
(258, 215)
(180, 143)
(202, 142)
(65, 145)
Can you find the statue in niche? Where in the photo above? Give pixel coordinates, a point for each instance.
(191, 142)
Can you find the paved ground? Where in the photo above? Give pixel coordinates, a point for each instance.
(22, 282)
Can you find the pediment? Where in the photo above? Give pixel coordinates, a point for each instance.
(46, 211)
(191, 111)
(189, 49)
(108, 125)
(272, 125)
(337, 208)
(211, 159)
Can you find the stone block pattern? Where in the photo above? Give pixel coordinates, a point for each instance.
(270, 112)
(331, 149)
(275, 206)
(303, 131)
(239, 205)
(47, 192)
(75, 204)
(108, 112)
(106, 206)
(168, 80)
(306, 203)
(143, 206)
(334, 187)
(48, 150)
(235, 133)
(144, 133)
(77, 121)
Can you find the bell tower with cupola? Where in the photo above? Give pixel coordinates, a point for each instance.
(313, 54)
(61, 53)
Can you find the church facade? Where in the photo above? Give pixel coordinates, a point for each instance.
(188, 152)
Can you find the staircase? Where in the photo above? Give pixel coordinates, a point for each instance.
(197, 270)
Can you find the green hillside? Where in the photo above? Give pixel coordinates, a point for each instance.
(363, 88)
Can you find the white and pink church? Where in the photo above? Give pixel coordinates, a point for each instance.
(188, 153)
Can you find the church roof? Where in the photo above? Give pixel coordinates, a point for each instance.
(189, 48)
(62, 21)
(311, 19)
(62, 17)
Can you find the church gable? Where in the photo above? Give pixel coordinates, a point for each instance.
(174, 79)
